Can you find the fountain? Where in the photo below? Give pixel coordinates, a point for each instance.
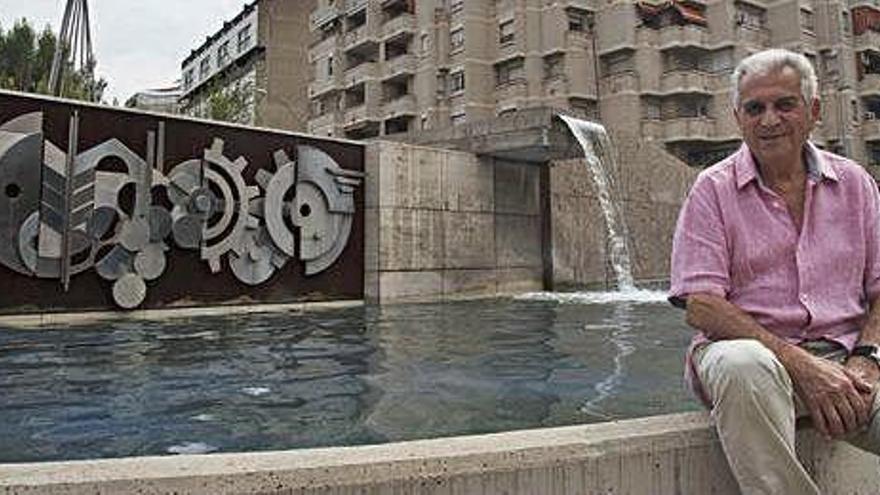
(599, 156)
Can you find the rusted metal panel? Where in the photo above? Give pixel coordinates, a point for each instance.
(125, 160)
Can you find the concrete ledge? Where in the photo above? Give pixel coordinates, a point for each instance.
(36, 320)
(659, 455)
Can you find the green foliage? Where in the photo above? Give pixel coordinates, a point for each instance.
(26, 62)
(230, 102)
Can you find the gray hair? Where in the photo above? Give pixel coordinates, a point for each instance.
(772, 60)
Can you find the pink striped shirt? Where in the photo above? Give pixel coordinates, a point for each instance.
(736, 239)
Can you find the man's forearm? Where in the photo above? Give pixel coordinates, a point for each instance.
(871, 331)
(718, 319)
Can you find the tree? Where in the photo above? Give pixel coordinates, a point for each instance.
(233, 102)
(26, 62)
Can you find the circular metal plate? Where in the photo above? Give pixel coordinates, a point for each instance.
(135, 234)
(129, 291)
(150, 263)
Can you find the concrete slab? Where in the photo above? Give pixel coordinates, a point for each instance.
(659, 455)
(425, 285)
(517, 188)
(411, 239)
(469, 240)
(469, 183)
(518, 241)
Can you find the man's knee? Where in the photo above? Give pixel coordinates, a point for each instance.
(747, 364)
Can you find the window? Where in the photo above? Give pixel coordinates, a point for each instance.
(750, 17)
(554, 66)
(329, 70)
(458, 118)
(441, 84)
(455, 5)
(508, 71)
(244, 38)
(204, 67)
(456, 82)
(808, 22)
(580, 21)
(223, 54)
(188, 78)
(618, 63)
(505, 32)
(456, 40)
(424, 44)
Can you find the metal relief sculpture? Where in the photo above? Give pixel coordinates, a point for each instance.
(62, 213)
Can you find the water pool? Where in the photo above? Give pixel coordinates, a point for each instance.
(336, 377)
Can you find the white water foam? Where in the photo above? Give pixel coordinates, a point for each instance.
(191, 448)
(637, 296)
(203, 417)
(256, 391)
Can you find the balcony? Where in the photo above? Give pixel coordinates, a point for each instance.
(403, 23)
(556, 86)
(400, 66)
(322, 87)
(871, 129)
(868, 40)
(624, 82)
(357, 39)
(405, 105)
(689, 128)
(685, 81)
(511, 91)
(675, 36)
(361, 73)
(322, 124)
(360, 116)
(352, 6)
(752, 36)
(323, 47)
(322, 16)
(870, 85)
(581, 4)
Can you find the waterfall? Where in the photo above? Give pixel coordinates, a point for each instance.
(599, 155)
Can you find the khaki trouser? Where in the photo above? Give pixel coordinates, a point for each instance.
(754, 410)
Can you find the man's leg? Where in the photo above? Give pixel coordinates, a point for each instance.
(754, 412)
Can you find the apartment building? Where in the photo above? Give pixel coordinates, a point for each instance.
(161, 100)
(254, 63)
(655, 71)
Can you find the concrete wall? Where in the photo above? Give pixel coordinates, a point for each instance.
(675, 454)
(445, 223)
(651, 192)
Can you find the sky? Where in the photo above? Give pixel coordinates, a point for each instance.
(137, 44)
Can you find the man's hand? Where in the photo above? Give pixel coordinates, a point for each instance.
(837, 397)
(868, 371)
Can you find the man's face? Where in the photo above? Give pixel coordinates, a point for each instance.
(773, 117)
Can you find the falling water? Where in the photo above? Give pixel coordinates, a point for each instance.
(599, 155)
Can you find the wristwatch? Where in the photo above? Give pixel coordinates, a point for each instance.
(867, 351)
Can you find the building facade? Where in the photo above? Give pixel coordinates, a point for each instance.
(251, 70)
(161, 100)
(649, 71)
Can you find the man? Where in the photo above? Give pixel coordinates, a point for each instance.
(776, 258)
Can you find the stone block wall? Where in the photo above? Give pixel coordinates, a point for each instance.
(444, 223)
(651, 192)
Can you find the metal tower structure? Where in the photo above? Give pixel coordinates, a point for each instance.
(74, 44)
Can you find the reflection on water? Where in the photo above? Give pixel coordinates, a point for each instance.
(336, 377)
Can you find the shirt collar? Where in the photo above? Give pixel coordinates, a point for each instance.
(747, 170)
